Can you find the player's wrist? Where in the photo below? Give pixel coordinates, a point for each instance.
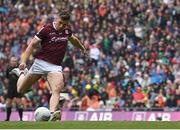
(22, 66)
(23, 62)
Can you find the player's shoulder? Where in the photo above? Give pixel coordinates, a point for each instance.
(44, 31)
(47, 27)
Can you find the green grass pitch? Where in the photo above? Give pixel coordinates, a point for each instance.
(90, 125)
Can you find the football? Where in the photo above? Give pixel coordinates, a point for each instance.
(42, 114)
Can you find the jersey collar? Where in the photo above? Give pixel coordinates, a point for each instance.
(54, 26)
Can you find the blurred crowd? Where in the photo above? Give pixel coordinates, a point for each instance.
(133, 58)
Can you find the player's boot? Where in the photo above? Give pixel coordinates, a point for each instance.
(18, 72)
(56, 116)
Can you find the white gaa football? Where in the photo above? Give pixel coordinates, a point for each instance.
(42, 114)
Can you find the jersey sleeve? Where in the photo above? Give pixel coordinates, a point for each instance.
(41, 34)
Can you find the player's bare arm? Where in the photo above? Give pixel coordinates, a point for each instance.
(34, 42)
(77, 43)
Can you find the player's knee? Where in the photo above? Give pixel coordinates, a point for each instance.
(20, 90)
(57, 88)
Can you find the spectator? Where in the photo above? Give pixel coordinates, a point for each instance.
(160, 100)
(171, 102)
(138, 98)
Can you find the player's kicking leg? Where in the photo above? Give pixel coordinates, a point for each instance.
(56, 82)
(25, 79)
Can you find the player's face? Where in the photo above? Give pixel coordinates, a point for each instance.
(61, 24)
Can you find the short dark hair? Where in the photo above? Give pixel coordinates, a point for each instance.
(64, 15)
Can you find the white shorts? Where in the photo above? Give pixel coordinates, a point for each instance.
(43, 67)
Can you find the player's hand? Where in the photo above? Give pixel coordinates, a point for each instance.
(22, 66)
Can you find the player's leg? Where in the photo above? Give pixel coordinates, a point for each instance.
(25, 81)
(8, 108)
(56, 82)
(20, 107)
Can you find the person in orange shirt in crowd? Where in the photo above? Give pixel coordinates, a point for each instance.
(102, 10)
(138, 98)
(85, 103)
(90, 101)
(111, 90)
(94, 103)
(160, 100)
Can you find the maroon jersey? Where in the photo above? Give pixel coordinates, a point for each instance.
(53, 43)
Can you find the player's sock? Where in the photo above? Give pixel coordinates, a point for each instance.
(18, 72)
(20, 111)
(8, 112)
